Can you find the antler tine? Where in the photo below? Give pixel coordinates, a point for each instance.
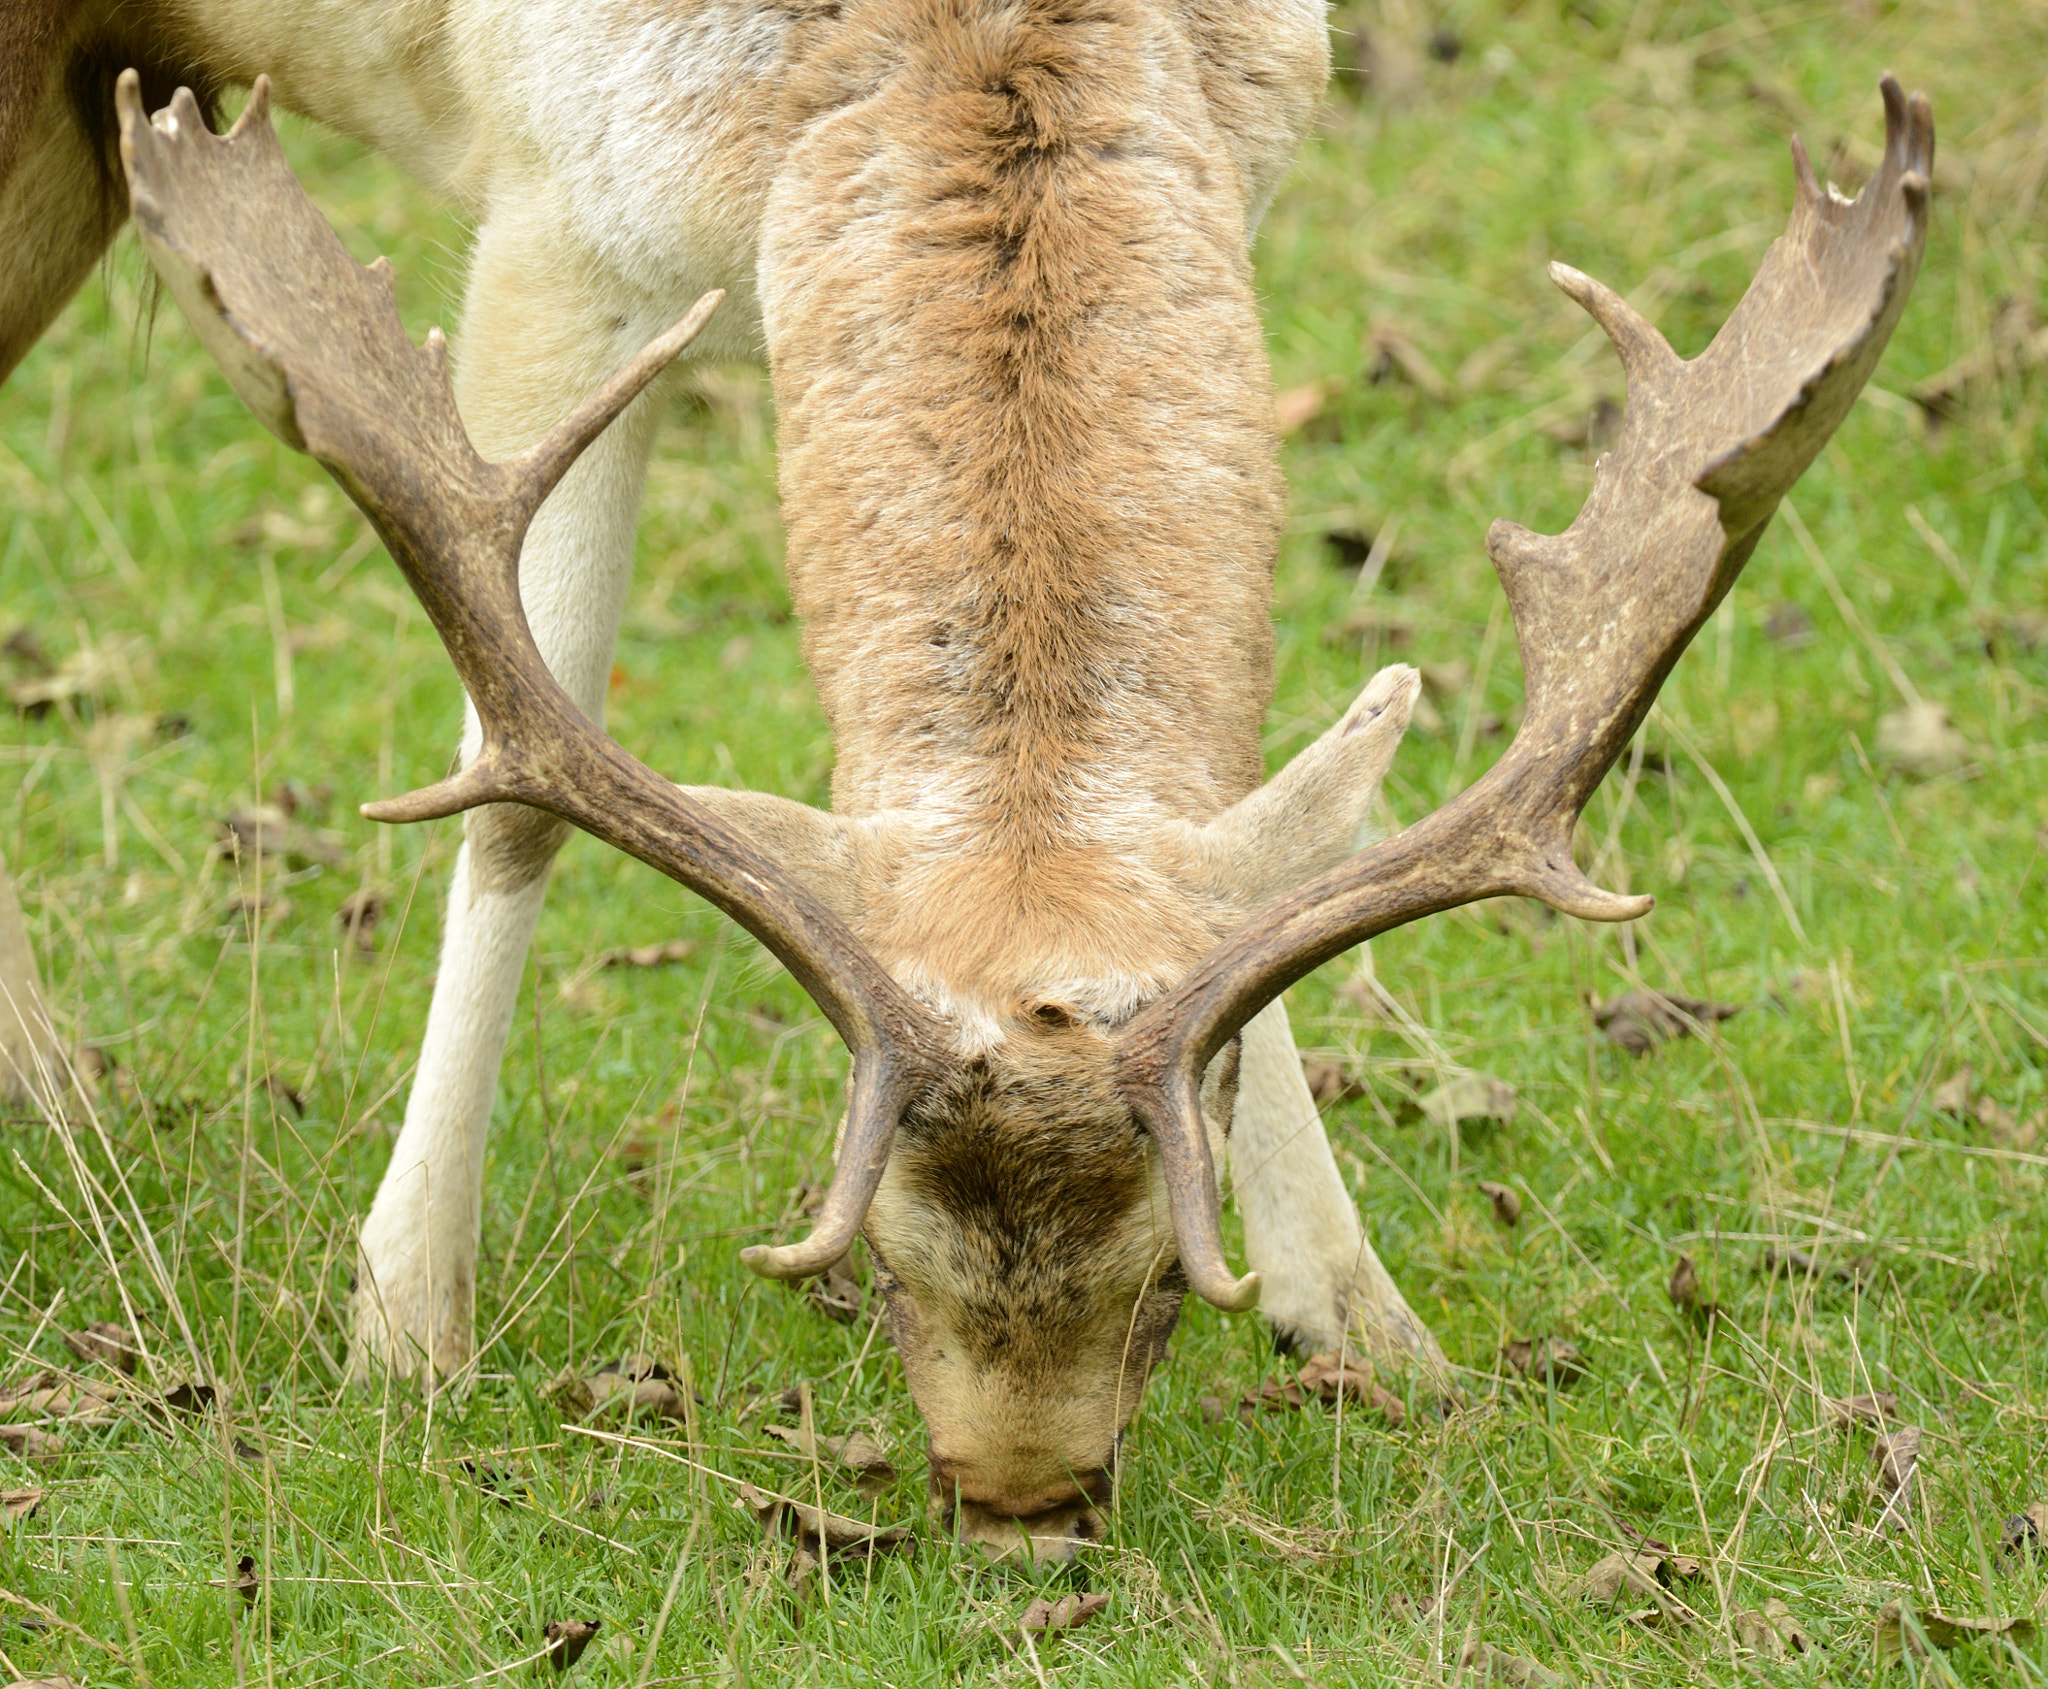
(1602, 612)
(312, 341)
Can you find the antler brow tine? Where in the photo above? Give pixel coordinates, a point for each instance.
(1602, 612)
(312, 341)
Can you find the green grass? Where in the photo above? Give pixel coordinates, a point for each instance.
(651, 1122)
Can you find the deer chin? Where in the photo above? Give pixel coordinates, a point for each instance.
(1055, 1537)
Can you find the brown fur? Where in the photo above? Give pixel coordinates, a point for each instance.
(60, 193)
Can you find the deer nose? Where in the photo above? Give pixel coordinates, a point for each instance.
(1010, 1496)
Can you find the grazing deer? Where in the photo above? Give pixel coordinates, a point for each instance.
(997, 253)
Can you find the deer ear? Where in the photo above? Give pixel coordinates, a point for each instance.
(840, 862)
(1312, 814)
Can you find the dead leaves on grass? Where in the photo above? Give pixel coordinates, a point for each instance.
(815, 1535)
(105, 1341)
(632, 1384)
(1959, 1097)
(1070, 1612)
(1481, 1662)
(1900, 1632)
(1544, 1360)
(1507, 1206)
(1638, 1021)
(1324, 1378)
(856, 1452)
(16, 1505)
(1919, 741)
(565, 1639)
(2025, 1534)
(1469, 1096)
(1642, 1574)
(1771, 1631)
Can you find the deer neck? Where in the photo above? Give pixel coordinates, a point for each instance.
(1025, 428)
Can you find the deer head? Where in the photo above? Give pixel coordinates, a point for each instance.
(1036, 1171)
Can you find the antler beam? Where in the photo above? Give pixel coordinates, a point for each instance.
(1602, 612)
(312, 341)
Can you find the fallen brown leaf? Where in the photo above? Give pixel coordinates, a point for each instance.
(1771, 1631)
(2008, 631)
(1897, 1457)
(1470, 1096)
(1615, 1575)
(1875, 1410)
(1482, 1662)
(632, 1384)
(58, 1682)
(359, 914)
(1324, 1378)
(20, 1504)
(267, 831)
(2025, 1533)
(49, 1395)
(29, 1443)
(1549, 1359)
(836, 1293)
(565, 1640)
(818, 1533)
(1331, 1082)
(857, 1452)
(1787, 625)
(1683, 1288)
(1507, 1206)
(190, 1396)
(1070, 1612)
(1896, 1634)
(1919, 741)
(1590, 430)
(648, 955)
(1952, 1095)
(105, 1341)
(1392, 353)
(1639, 1020)
(1213, 1410)
(247, 1584)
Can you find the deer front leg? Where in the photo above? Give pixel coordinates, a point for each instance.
(538, 332)
(1322, 1284)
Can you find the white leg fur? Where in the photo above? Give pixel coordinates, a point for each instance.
(538, 334)
(1323, 1285)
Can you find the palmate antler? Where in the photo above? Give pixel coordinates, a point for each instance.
(312, 342)
(1602, 612)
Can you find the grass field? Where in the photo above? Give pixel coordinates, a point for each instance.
(233, 630)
